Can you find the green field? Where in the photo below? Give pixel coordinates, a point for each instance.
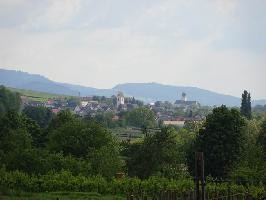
(62, 196)
(37, 96)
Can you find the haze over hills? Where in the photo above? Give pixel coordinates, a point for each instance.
(148, 92)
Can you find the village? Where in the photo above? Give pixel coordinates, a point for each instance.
(166, 113)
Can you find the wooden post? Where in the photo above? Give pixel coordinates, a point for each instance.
(229, 190)
(144, 196)
(249, 197)
(155, 196)
(199, 176)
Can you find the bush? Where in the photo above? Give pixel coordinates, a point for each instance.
(66, 181)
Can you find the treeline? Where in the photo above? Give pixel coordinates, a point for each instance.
(35, 146)
(138, 117)
(67, 143)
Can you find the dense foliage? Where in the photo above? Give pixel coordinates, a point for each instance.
(68, 143)
(142, 118)
(8, 100)
(40, 114)
(262, 135)
(222, 140)
(66, 181)
(159, 154)
(43, 152)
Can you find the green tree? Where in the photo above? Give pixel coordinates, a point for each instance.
(14, 137)
(105, 119)
(40, 114)
(141, 117)
(60, 119)
(86, 140)
(37, 118)
(157, 154)
(9, 100)
(71, 139)
(15, 121)
(262, 135)
(105, 160)
(252, 163)
(222, 140)
(245, 108)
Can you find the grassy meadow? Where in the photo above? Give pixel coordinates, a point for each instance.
(61, 196)
(37, 96)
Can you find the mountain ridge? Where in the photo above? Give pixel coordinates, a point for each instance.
(148, 92)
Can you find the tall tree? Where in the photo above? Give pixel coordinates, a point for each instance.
(222, 140)
(246, 105)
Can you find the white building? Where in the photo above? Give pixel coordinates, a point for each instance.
(120, 99)
(84, 103)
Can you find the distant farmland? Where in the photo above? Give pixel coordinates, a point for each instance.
(37, 96)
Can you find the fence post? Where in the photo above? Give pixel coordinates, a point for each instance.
(144, 196)
(131, 196)
(249, 197)
(229, 190)
(162, 195)
(155, 196)
(199, 176)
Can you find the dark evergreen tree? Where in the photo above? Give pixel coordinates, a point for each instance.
(246, 105)
(249, 106)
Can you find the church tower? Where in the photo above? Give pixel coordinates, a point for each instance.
(184, 96)
(120, 99)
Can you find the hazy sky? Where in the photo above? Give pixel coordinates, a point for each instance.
(213, 44)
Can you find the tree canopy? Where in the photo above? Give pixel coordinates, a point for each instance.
(157, 154)
(39, 114)
(141, 117)
(221, 139)
(9, 100)
(262, 135)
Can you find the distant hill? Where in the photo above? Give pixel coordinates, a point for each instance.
(148, 92)
(158, 92)
(23, 80)
(155, 91)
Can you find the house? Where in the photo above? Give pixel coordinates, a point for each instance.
(174, 122)
(50, 102)
(55, 110)
(77, 110)
(115, 118)
(84, 103)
